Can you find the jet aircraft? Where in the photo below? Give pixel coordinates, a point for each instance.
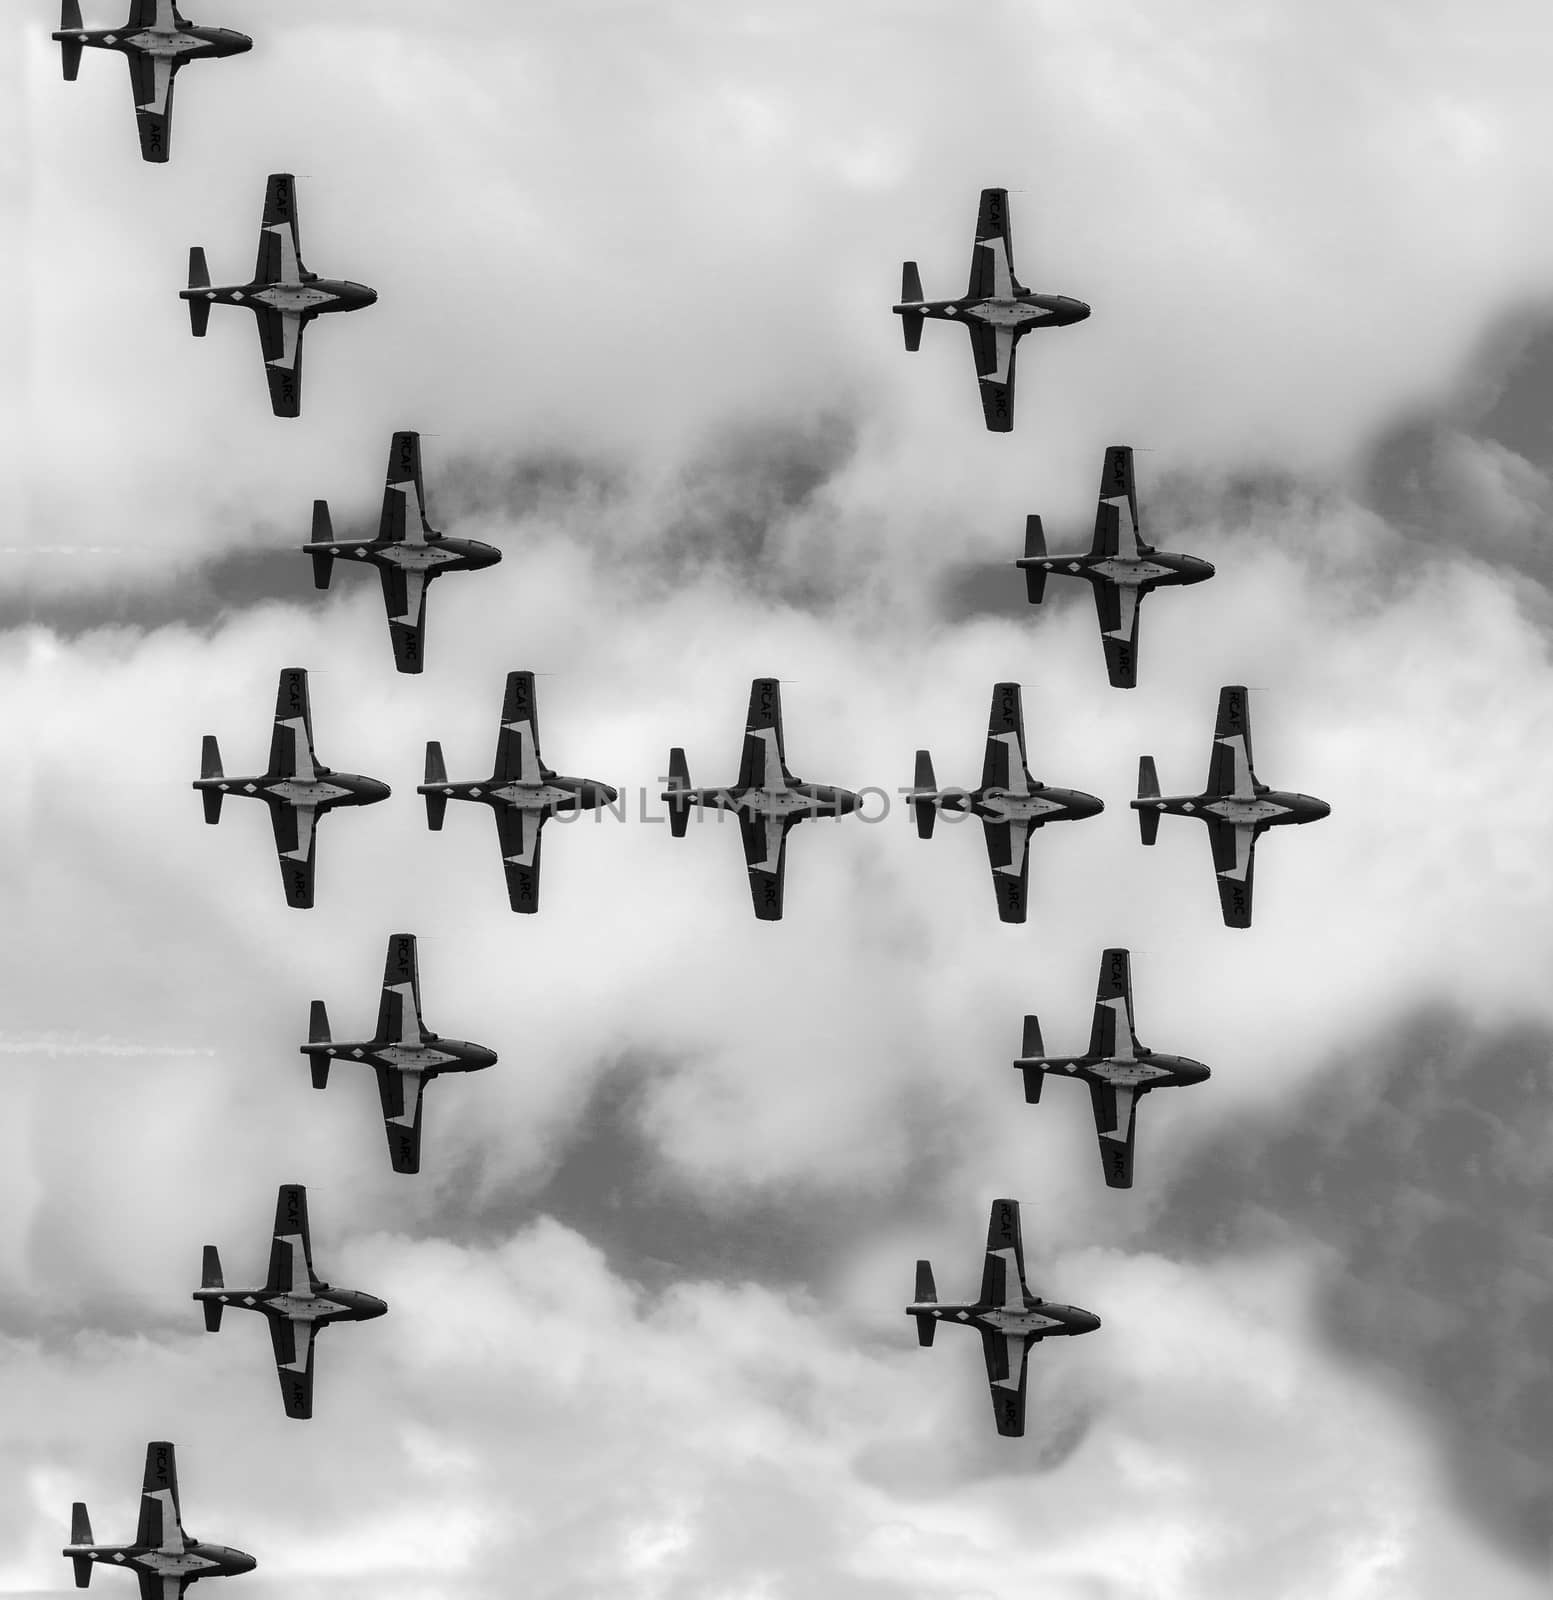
(1118, 564)
(1010, 803)
(522, 791)
(404, 1052)
(283, 295)
(997, 310)
(767, 799)
(155, 41)
(163, 1557)
(1118, 1069)
(1006, 1315)
(298, 788)
(294, 1299)
(407, 561)
(1235, 806)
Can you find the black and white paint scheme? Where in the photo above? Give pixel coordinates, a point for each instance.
(1010, 803)
(293, 1299)
(282, 294)
(404, 1053)
(408, 552)
(164, 1557)
(766, 798)
(1007, 1316)
(297, 787)
(522, 792)
(154, 41)
(1118, 565)
(996, 310)
(1117, 1067)
(1237, 808)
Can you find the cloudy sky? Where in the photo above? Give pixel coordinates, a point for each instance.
(635, 263)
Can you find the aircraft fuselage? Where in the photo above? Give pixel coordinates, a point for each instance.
(1157, 570)
(1146, 1069)
(1044, 1319)
(555, 793)
(433, 1055)
(1023, 310)
(181, 44)
(311, 296)
(198, 1560)
(323, 1305)
(1040, 805)
(1268, 808)
(795, 800)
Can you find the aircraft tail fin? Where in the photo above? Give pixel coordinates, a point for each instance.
(1032, 1047)
(81, 1532)
(323, 533)
(210, 1278)
(1148, 789)
(926, 1294)
(1035, 548)
(318, 1033)
(924, 810)
(911, 294)
(70, 18)
(436, 772)
(679, 785)
(199, 278)
(210, 768)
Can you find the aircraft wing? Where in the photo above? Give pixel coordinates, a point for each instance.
(151, 84)
(164, 1588)
(404, 598)
(399, 1011)
(280, 248)
(1229, 767)
(1116, 607)
(1116, 517)
(1115, 1107)
(1234, 855)
(400, 1093)
(291, 1249)
(1111, 1035)
(1008, 852)
(992, 256)
(993, 350)
(1003, 765)
(1005, 1355)
(161, 1525)
(765, 855)
(404, 481)
(161, 14)
(280, 343)
(1003, 1275)
(291, 742)
(296, 834)
(519, 833)
(517, 745)
(763, 761)
(293, 1342)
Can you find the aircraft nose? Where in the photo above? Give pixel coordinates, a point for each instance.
(374, 1307)
(1318, 809)
(489, 555)
(1086, 805)
(1084, 1321)
(372, 791)
(242, 1561)
(481, 1057)
(847, 801)
(240, 41)
(1077, 310)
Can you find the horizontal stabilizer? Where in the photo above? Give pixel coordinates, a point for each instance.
(210, 757)
(199, 278)
(1035, 549)
(1148, 789)
(911, 328)
(927, 1292)
(1032, 1040)
(213, 1310)
(210, 1269)
(925, 811)
(323, 533)
(911, 284)
(70, 60)
(436, 772)
(679, 782)
(926, 1324)
(318, 1023)
(80, 1523)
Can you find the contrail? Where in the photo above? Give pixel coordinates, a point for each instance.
(75, 1044)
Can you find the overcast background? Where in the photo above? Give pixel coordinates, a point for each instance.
(635, 263)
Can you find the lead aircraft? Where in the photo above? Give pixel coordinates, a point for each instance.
(1236, 808)
(1118, 1069)
(283, 295)
(155, 41)
(403, 1052)
(996, 309)
(298, 787)
(163, 1557)
(1010, 803)
(1120, 567)
(294, 1300)
(407, 559)
(522, 791)
(767, 799)
(1006, 1315)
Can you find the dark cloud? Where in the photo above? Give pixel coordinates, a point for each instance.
(1424, 1163)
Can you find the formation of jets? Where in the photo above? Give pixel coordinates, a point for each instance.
(155, 41)
(1010, 803)
(767, 799)
(407, 556)
(293, 1299)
